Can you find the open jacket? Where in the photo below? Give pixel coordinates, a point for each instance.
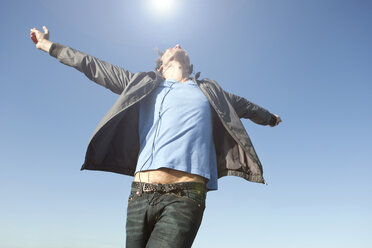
(114, 145)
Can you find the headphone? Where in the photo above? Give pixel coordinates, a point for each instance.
(156, 131)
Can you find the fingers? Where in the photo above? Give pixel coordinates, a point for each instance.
(33, 38)
(278, 120)
(36, 34)
(46, 30)
(33, 35)
(34, 30)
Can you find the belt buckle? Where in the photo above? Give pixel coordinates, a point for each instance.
(144, 189)
(151, 187)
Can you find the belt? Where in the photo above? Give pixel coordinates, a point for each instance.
(166, 188)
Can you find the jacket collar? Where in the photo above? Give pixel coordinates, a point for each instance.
(197, 75)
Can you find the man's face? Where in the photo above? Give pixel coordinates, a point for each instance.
(175, 53)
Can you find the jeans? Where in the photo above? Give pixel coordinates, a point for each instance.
(161, 220)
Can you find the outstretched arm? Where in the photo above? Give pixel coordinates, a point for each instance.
(247, 109)
(110, 76)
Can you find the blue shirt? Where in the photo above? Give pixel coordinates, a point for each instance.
(175, 131)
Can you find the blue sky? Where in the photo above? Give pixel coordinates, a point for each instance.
(307, 61)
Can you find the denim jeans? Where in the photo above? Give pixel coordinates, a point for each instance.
(162, 220)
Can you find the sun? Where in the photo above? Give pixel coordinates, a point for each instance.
(162, 6)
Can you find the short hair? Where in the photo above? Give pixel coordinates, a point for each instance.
(158, 62)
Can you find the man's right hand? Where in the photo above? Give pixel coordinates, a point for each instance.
(278, 120)
(40, 39)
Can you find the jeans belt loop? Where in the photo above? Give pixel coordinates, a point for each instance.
(159, 188)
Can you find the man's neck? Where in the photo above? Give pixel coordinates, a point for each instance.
(176, 72)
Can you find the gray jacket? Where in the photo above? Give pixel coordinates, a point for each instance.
(114, 145)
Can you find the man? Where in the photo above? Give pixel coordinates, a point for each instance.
(174, 134)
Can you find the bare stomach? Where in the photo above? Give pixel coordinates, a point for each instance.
(165, 175)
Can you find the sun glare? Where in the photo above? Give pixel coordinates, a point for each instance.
(162, 6)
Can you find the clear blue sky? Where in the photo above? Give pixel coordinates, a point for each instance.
(308, 61)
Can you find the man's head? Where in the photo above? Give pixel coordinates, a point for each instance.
(173, 59)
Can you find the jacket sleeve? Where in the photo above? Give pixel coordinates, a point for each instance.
(105, 74)
(249, 110)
